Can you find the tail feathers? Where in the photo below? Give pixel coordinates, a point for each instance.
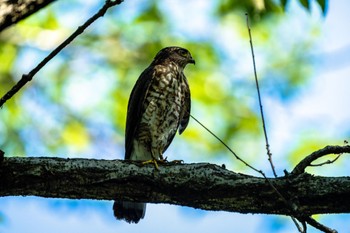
(131, 212)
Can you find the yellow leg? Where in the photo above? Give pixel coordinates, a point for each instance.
(154, 161)
(161, 161)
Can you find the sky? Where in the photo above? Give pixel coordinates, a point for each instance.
(325, 98)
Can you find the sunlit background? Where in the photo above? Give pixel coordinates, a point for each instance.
(76, 105)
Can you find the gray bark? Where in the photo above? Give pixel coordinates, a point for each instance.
(205, 186)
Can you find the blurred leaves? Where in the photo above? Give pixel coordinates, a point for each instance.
(323, 4)
(76, 135)
(256, 8)
(150, 14)
(8, 56)
(305, 3)
(261, 9)
(77, 103)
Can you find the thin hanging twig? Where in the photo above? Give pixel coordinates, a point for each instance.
(28, 77)
(228, 148)
(287, 203)
(269, 154)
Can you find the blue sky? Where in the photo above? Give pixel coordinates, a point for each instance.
(324, 99)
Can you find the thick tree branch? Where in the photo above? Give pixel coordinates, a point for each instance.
(203, 185)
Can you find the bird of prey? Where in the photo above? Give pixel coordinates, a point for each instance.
(159, 106)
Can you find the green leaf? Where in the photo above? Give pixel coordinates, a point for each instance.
(150, 14)
(324, 5)
(284, 3)
(305, 4)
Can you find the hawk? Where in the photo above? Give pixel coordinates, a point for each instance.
(159, 106)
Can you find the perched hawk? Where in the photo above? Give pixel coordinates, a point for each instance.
(159, 105)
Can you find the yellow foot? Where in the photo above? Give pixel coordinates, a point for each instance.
(153, 161)
(161, 161)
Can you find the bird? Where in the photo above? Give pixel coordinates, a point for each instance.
(158, 107)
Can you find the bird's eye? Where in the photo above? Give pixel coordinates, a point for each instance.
(183, 52)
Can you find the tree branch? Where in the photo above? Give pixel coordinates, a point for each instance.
(319, 226)
(12, 12)
(28, 77)
(204, 186)
(302, 165)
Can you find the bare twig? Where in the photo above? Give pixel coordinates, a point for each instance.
(326, 162)
(269, 154)
(300, 229)
(302, 165)
(227, 147)
(286, 202)
(319, 226)
(28, 77)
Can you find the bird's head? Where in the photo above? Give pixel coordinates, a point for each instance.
(175, 54)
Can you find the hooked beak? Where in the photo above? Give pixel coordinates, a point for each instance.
(192, 61)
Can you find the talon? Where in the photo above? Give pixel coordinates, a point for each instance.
(163, 161)
(177, 161)
(153, 161)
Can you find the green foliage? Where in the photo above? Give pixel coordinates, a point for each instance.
(77, 104)
(307, 4)
(323, 4)
(257, 9)
(261, 9)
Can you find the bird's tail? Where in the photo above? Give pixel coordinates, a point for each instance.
(131, 212)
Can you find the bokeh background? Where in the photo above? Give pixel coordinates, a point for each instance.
(76, 105)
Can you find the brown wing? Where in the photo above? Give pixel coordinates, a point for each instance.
(186, 109)
(135, 111)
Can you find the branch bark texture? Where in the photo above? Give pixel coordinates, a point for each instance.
(204, 186)
(11, 12)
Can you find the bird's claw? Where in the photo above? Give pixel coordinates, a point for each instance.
(153, 161)
(180, 161)
(161, 161)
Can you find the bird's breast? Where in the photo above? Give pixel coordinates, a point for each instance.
(162, 110)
